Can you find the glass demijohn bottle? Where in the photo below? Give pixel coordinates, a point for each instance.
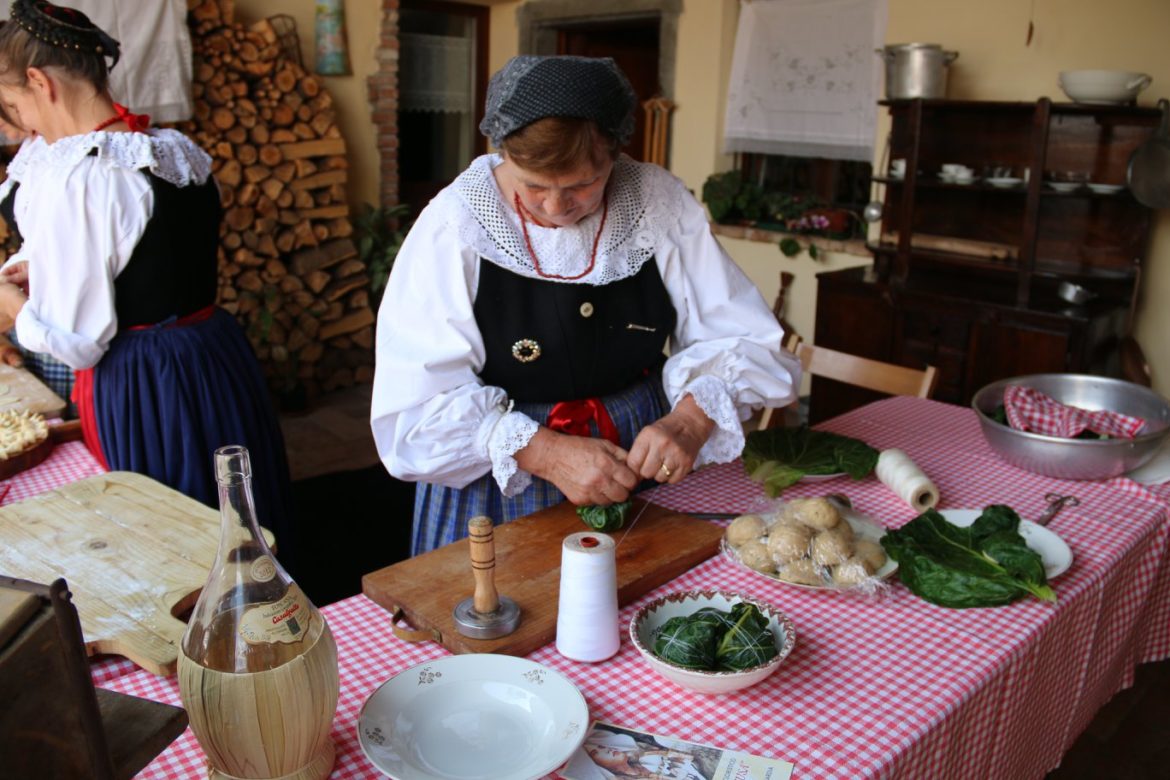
(258, 664)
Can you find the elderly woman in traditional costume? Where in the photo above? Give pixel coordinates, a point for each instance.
(520, 354)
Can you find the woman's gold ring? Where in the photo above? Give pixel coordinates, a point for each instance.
(665, 469)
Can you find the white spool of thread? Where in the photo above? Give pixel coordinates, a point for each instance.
(587, 614)
(902, 475)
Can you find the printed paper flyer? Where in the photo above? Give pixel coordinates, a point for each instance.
(615, 752)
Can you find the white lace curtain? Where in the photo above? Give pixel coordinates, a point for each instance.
(805, 79)
(435, 73)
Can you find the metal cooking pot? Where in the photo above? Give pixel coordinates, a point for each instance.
(1148, 174)
(916, 70)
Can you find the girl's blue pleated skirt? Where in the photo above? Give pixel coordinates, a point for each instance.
(441, 513)
(166, 397)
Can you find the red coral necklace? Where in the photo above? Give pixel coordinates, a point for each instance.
(532, 253)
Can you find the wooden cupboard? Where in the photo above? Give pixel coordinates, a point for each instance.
(966, 273)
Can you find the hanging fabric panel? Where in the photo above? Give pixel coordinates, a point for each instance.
(805, 78)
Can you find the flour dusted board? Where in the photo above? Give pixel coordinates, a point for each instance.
(133, 551)
(19, 389)
(660, 546)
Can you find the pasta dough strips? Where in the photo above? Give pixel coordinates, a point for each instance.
(21, 431)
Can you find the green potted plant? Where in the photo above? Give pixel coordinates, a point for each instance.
(380, 233)
(730, 199)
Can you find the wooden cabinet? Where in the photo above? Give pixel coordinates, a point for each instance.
(966, 273)
(971, 339)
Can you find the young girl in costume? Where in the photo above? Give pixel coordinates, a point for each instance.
(120, 226)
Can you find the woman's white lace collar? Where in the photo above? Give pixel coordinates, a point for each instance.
(168, 154)
(644, 203)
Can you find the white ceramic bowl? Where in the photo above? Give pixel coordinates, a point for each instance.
(1102, 86)
(652, 616)
(475, 715)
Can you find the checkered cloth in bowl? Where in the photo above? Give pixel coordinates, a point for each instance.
(1029, 409)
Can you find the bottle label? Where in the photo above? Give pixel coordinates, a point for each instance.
(263, 569)
(284, 621)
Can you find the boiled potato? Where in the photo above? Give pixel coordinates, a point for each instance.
(745, 528)
(789, 541)
(755, 555)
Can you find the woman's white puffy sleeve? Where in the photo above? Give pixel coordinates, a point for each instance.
(726, 347)
(80, 225)
(432, 417)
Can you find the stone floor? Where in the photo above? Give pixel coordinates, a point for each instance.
(354, 518)
(1129, 739)
(332, 436)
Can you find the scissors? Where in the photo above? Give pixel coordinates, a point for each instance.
(1056, 502)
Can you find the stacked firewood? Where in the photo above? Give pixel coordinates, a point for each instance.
(289, 269)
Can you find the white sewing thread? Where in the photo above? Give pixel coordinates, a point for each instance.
(901, 475)
(587, 614)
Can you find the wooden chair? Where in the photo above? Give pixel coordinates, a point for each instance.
(862, 372)
(53, 722)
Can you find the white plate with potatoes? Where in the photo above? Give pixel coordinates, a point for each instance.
(810, 543)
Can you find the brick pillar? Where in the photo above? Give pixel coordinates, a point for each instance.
(383, 95)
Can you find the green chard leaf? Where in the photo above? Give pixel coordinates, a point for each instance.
(749, 641)
(712, 639)
(687, 642)
(780, 457)
(605, 518)
(986, 564)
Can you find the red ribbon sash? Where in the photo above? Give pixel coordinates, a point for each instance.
(83, 397)
(188, 319)
(573, 417)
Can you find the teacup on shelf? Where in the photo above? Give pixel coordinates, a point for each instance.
(955, 170)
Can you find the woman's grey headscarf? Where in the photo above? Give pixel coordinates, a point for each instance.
(529, 88)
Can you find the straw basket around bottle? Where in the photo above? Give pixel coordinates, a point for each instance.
(258, 664)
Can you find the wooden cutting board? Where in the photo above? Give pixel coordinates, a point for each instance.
(661, 545)
(19, 389)
(134, 552)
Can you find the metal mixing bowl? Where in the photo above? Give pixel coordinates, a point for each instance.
(1076, 458)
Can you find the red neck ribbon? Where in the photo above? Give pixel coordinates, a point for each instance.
(136, 122)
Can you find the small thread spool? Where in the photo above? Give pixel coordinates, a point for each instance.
(587, 614)
(901, 475)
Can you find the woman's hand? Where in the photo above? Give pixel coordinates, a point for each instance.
(586, 470)
(9, 354)
(16, 273)
(12, 300)
(665, 450)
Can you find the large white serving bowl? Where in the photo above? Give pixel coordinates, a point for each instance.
(652, 616)
(1102, 86)
(473, 717)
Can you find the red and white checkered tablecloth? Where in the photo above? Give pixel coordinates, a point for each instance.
(885, 686)
(66, 463)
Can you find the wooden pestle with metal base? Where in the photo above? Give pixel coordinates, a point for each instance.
(486, 615)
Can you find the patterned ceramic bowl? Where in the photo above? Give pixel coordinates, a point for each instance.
(647, 620)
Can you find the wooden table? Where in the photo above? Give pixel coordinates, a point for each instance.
(875, 687)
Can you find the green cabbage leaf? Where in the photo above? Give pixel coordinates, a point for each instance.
(780, 457)
(605, 518)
